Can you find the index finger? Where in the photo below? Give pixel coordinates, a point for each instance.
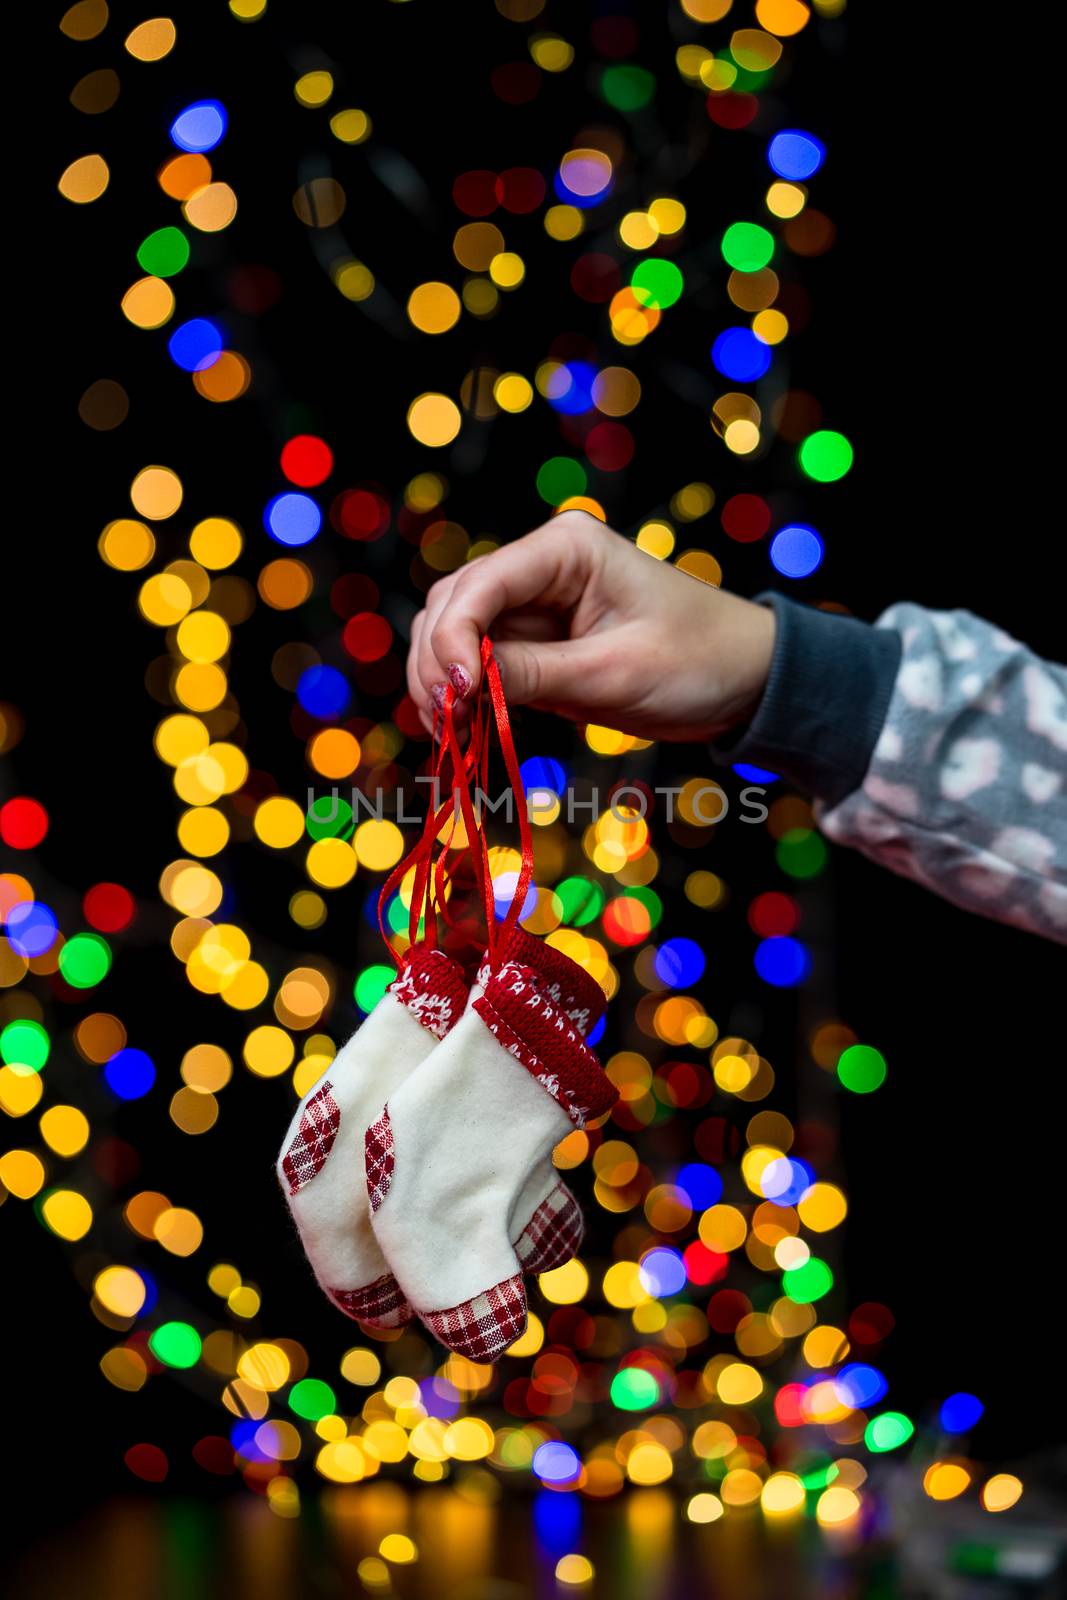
(544, 566)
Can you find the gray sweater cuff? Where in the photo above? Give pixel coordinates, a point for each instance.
(825, 703)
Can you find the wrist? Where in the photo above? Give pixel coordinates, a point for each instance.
(743, 642)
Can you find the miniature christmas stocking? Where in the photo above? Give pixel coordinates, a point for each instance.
(455, 1146)
(321, 1165)
(546, 1227)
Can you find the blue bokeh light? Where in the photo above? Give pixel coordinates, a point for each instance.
(439, 1398)
(795, 155)
(504, 892)
(782, 962)
(556, 1462)
(196, 345)
(243, 1439)
(557, 1520)
(130, 1073)
(31, 928)
(796, 550)
(594, 1036)
(324, 692)
(960, 1412)
(662, 1271)
(679, 963)
(859, 1384)
(543, 772)
(745, 769)
(292, 519)
(785, 1179)
(702, 1184)
(739, 354)
(200, 126)
(569, 389)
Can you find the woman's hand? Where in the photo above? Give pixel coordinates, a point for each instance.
(586, 625)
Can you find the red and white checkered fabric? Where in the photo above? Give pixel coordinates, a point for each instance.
(378, 1149)
(313, 1140)
(553, 1234)
(382, 1303)
(481, 1329)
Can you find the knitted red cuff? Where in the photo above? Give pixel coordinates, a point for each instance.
(432, 986)
(531, 1027)
(575, 991)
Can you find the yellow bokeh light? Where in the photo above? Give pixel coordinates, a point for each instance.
(120, 1290)
(21, 1173)
(268, 1051)
(331, 863)
(265, 1366)
(837, 1506)
(565, 1285)
(739, 1384)
(1001, 1491)
(946, 1480)
(434, 419)
(314, 88)
(378, 844)
(279, 822)
(148, 303)
(84, 180)
(649, 1463)
(156, 493)
(67, 1213)
(152, 40)
(353, 279)
(656, 539)
(434, 307)
(574, 1570)
(20, 1091)
(65, 1130)
(507, 270)
(351, 126)
(211, 208)
(704, 1508)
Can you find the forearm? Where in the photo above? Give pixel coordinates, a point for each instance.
(932, 742)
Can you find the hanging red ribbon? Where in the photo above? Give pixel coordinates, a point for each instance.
(432, 879)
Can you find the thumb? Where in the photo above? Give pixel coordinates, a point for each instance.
(562, 672)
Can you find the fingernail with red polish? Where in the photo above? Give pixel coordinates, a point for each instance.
(460, 679)
(437, 695)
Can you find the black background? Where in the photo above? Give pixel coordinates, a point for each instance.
(942, 274)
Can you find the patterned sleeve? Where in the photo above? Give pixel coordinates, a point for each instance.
(966, 789)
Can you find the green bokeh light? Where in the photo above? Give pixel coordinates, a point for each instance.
(888, 1432)
(560, 478)
(311, 1398)
(747, 246)
(85, 960)
(801, 853)
(808, 1283)
(25, 1043)
(634, 1389)
(656, 283)
(627, 87)
(164, 252)
(330, 817)
(825, 456)
(581, 901)
(176, 1344)
(371, 985)
(861, 1068)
